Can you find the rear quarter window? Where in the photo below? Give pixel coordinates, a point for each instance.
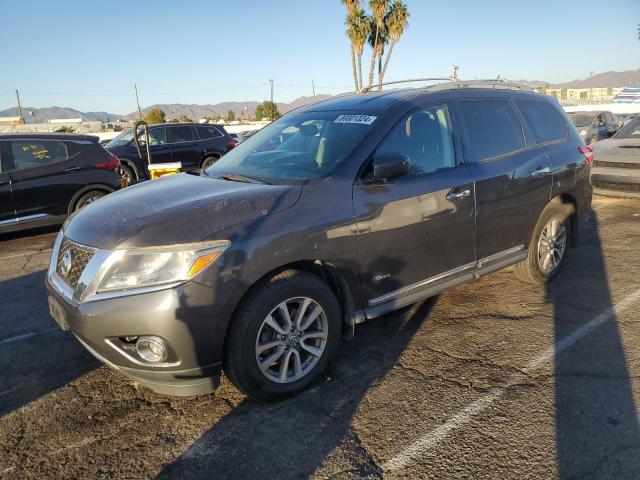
(36, 153)
(545, 122)
(206, 133)
(492, 128)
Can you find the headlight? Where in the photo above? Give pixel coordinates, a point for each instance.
(146, 267)
(583, 133)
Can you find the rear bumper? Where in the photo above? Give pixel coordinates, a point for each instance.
(616, 181)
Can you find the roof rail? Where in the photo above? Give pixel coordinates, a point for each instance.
(395, 82)
(452, 82)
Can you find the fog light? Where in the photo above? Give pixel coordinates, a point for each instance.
(152, 349)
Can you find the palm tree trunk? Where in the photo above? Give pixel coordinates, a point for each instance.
(359, 59)
(386, 61)
(373, 60)
(353, 65)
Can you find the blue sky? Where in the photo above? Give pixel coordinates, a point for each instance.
(88, 54)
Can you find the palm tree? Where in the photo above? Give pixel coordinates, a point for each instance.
(351, 6)
(396, 20)
(378, 10)
(358, 29)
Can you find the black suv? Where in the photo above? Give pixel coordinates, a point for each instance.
(194, 145)
(371, 202)
(45, 177)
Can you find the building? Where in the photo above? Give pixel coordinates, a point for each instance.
(11, 121)
(628, 95)
(579, 96)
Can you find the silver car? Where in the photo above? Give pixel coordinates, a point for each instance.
(616, 164)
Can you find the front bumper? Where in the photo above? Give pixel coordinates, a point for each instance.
(190, 317)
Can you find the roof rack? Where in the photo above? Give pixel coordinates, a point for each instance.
(452, 82)
(395, 82)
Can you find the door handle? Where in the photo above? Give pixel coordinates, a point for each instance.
(458, 194)
(72, 169)
(540, 172)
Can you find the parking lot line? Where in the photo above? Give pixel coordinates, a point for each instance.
(433, 438)
(27, 336)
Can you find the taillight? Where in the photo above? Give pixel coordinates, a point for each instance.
(232, 143)
(587, 151)
(111, 164)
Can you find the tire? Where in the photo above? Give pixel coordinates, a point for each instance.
(539, 267)
(88, 198)
(207, 162)
(128, 173)
(593, 139)
(249, 333)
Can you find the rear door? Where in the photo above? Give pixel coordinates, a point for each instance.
(158, 145)
(181, 139)
(416, 230)
(7, 210)
(45, 176)
(512, 176)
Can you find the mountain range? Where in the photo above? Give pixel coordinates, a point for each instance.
(242, 109)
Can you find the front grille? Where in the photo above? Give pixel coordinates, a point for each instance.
(600, 163)
(625, 187)
(78, 256)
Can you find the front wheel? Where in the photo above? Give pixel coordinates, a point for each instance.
(208, 162)
(593, 139)
(549, 246)
(283, 336)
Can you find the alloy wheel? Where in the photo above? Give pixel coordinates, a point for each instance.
(552, 245)
(291, 340)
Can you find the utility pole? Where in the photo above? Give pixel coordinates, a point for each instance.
(19, 106)
(454, 73)
(591, 87)
(271, 110)
(313, 88)
(138, 101)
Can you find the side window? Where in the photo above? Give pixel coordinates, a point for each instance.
(425, 137)
(492, 128)
(36, 153)
(545, 122)
(179, 134)
(157, 136)
(208, 132)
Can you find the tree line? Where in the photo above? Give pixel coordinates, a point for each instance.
(265, 109)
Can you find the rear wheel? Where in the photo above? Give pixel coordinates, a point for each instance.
(88, 198)
(283, 335)
(127, 173)
(208, 162)
(549, 246)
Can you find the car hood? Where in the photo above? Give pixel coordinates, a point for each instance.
(175, 209)
(617, 150)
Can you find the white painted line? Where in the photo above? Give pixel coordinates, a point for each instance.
(28, 335)
(433, 438)
(18, 255)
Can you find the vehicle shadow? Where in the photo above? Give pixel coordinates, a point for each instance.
(597, 431)
(293, 437)
(36, 356)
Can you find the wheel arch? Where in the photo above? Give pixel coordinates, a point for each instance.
(131, 164)
(570, 204)
(324, 270)
(86, 189)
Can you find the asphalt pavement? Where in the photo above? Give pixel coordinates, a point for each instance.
(496, 379)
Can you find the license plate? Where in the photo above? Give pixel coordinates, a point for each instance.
(57, 312)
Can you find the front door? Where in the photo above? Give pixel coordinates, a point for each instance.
(7, 210)
(512, 179)
(417, 228)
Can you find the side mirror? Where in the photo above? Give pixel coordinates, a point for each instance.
(390, 165)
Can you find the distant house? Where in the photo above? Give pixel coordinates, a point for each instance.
(11, 121)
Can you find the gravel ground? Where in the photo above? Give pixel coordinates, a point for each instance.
(497, 379)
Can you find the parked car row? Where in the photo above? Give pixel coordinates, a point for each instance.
(46, 177)
(365, 204)
(194, 145)
(595, 126)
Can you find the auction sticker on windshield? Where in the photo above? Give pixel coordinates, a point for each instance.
(362, 119)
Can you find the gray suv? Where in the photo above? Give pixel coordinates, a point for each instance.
(333, 215)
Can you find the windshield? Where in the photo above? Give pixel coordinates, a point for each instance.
(295, 148)
(630, 130)
(122, 139)
(581, 119)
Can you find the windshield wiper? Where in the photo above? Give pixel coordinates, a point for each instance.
(241, 178)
